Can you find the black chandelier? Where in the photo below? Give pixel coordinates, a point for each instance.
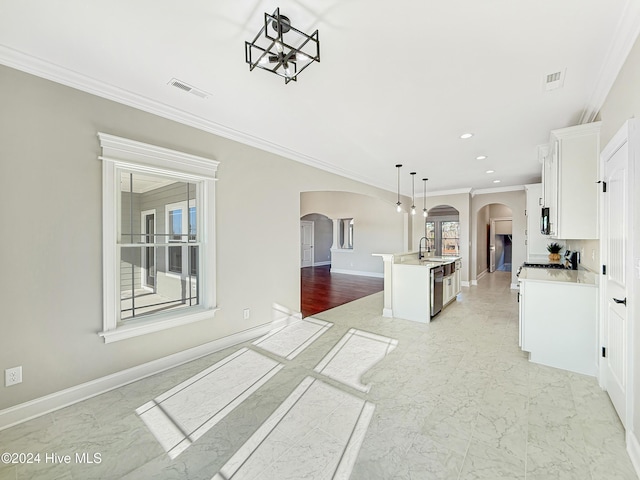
(273, 52)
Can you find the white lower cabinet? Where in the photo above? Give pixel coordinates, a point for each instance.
(558, 325)
(448, 289)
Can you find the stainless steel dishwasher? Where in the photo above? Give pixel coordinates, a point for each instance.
(437, 274)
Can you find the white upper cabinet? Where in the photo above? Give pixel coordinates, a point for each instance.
(569, 177)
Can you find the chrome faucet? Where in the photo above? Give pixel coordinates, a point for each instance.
(426, 247)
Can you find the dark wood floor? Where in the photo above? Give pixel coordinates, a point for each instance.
(322, 290)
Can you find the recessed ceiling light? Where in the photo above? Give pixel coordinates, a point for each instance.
(496, 181)
(490, 171)
(481, 157)
(466, 135)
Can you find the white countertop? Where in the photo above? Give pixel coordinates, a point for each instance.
(578, 277)
(411, 258)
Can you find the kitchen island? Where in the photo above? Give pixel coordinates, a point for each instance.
(408, 285)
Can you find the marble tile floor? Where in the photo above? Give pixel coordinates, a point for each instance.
(353, 356)
(456, 399)
(183, 414)
(289, 341)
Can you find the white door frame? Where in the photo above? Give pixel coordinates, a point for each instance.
(630, 133)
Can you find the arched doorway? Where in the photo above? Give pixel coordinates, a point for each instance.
(494, 251)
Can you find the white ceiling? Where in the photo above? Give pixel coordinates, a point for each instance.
(397, 82)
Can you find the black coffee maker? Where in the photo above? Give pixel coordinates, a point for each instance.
(571, 259)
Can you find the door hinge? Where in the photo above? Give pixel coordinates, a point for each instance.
(604, 352)
(604, 269)
(604, 185)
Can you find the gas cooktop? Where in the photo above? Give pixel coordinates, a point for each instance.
(558, 266)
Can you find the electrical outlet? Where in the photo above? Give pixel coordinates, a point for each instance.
(12, 376)
(246, 313)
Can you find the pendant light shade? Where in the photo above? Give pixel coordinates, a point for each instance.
(424, 209)
(399, 204)
(413, 193)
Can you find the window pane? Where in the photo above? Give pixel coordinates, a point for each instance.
(450, 238)
(192, 224)
(175, 259)
(168, 293)
(175, 225)
(431, 236)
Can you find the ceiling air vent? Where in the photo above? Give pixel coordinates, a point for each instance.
(174, 82)
(553, 80)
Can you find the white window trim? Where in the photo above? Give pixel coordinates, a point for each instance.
(121, 153)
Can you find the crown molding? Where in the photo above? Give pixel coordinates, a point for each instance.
(456, 191)
(511, 188)
(627, 32)
(56, 73)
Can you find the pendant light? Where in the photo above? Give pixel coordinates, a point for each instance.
(424, 210)
(399, 204)
(413, 193)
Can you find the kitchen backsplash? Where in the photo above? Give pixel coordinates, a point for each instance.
(589, 252)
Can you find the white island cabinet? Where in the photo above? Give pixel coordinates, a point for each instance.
(407, 285)
(558, 318)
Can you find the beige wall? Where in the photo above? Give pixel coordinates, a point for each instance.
(622, 103)
(377, 227)
(50, 190)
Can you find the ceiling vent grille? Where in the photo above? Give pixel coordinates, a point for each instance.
(174, 82)
(553, 81)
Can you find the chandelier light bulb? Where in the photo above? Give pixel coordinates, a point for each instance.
(424, 213)
(398, 207)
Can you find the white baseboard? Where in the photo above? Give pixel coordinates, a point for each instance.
(320, 264)
(514, 286)
(482, 274)
(633, 449)
(40, 406)
(356, 272)
(387, 312)
(474, 283)
(465, 284)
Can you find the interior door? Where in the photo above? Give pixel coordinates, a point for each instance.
(306, 243)
(616, 281)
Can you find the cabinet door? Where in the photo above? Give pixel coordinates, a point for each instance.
(448, 289)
